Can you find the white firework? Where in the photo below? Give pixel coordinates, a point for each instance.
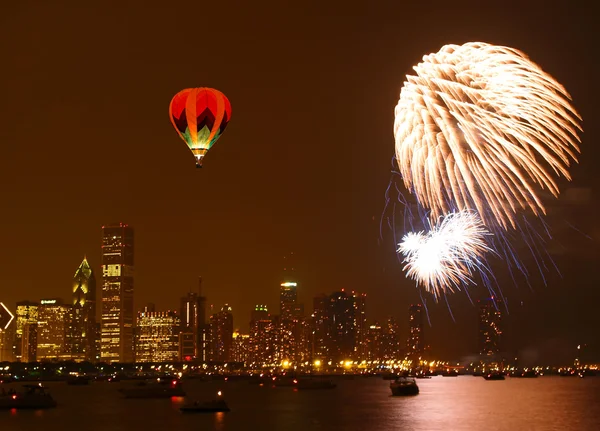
(446, 257)
(482, 127)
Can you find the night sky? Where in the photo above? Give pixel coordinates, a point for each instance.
(303, 165)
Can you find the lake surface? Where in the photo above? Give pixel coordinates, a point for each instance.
(362, 404)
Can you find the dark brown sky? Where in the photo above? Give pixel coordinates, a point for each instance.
(303, 165)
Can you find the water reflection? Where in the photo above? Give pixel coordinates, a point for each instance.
(219, 421)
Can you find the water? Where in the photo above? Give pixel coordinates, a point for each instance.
(362, 404)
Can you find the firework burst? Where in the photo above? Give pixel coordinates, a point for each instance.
(481, 127)
(446, 257)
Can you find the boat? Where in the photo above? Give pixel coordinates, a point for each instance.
(494, 376)
(34, 397)
(315, 384)
(159, 388)
(283, 381)
(214, 406)
(78, 380)
(530, 374)
(404, 386)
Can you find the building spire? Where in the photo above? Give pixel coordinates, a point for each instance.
(200, 286)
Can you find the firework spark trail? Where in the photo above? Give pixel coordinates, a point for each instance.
(481, 127)
(446, 257)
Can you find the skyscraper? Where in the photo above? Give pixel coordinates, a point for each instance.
(83, 326)
(390, 346)
(374, 342)
(288, 300)
(240, 347)
(157, 336)
(264, 338)
(416, 344)
(321, 328)
(360, 317)
(193, 326)
(342, 321)
(490, 327)
(26, 331)
(117, 293)
(53, 327)
(221, 335)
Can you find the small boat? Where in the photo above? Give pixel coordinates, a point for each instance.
(159, 388)
(530, 374)
(315, 384)
(34, 397)
(494, 376)
(214, 406)
(404, 386)
(283, 381)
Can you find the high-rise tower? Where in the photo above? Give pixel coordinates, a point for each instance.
(192, 338)
(117, 294)
(83, 326)
(490, 329)
(221, 335)
(415, 345)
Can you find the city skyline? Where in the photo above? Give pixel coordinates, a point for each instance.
(288, 303)
(263, 190)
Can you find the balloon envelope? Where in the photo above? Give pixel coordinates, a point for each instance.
(200, 116)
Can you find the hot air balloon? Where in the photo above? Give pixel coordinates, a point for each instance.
(200, 116)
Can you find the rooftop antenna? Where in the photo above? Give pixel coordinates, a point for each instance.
(200, 286)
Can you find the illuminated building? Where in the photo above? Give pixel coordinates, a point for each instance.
(7, 337)
(157, 336)
(390, 341)
(490, 327)
(374, 342)
(288, 320)
(26, 321)
(29, 342)
(416, 343)
(264, 338)
(320, 327)
(288, 299)
(53, 326)
(360, 318)
(240, 347)
(193, 326)
(290, 313)
(304, 340)
(342, 321)
(83, 325)
(117, 294)
(221, 335)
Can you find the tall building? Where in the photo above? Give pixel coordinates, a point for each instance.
(26, 331)
(390, 345)
(490, 327)
(342, 321)
(53, 328)
(117, 294)
(193, 326)
(360, 317)
(374, 342)
(157, 336)
(83, 326)
(221, 335)
(288, 300)
(240, 347)
(7, 337)
(320, 329)
(264, 338)
(416, 343)
(29, 342)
